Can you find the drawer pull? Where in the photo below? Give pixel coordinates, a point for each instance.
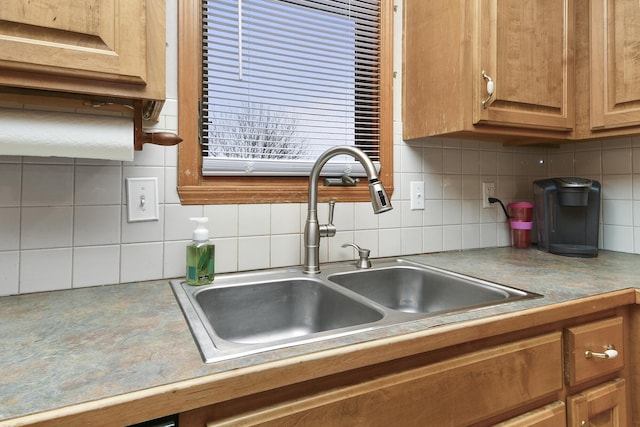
(609, 353)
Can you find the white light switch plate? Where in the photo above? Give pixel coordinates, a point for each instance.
(142, 199)
(417, 195)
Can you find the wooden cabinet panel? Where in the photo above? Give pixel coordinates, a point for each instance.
(602, 406)
(553, 415)
(595, 337)
(527, 50)
(102, 48)
(101, 39)
(615, 63)
(454, 392)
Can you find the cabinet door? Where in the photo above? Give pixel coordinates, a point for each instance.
(615, 63)
(93, 39)
(602, 406)
(526, 48)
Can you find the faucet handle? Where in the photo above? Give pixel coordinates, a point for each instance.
(329, 230)
(332, 207)
(363, 262)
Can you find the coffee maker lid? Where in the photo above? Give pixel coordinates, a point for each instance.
(573, 182)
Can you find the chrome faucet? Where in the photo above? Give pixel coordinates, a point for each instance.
(313, 230)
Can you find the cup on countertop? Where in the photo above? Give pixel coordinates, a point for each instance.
(520, 220)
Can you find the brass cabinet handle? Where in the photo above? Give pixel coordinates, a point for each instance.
(490, 88)
(610, 352)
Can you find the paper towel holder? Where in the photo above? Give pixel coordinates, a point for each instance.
(141, 137)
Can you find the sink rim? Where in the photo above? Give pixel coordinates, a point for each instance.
(213, 348)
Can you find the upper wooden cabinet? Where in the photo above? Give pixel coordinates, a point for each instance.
(609, 67)
(113, 48)
(524, 49)
(560, 70)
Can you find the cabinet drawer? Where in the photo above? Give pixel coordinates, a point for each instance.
(455, 392)
(552, 415)
(595, 337)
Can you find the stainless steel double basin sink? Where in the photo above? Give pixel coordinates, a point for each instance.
(246, 313)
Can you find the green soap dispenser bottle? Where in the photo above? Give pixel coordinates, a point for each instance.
(200, 255)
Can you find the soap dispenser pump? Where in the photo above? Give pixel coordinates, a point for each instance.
(200, 255)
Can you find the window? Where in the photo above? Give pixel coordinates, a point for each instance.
(227, 42)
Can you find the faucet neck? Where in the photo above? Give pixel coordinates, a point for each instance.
(312, 231)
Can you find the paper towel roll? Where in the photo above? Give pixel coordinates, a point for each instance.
(47, 133)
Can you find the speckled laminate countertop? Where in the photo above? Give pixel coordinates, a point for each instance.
(67, 347)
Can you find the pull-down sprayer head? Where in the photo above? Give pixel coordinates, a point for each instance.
(379, 199)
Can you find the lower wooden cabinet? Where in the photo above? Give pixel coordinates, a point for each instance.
(550, 379)
(454, 392)
(601, 406)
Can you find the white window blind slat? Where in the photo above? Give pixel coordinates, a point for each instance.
(283, 80)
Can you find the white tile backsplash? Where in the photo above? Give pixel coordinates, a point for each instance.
(616, 161)
(9, 229)
(10, 184)
(177, 224)
(96, 265)
(145, 231)
(617, 212)
(45, 270)
(175, 256)
(46, 227)
(47, 185)
(96, 225)
(617, 187)
(63, 221)
(141, 261)
(9, 276)
(364, 218)
(285, 250)
(253, 252)
(98, 185)
(254, 220)
(412, 240)
(432, 239)
(618, 238)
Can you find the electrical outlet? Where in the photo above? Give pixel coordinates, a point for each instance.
(488, 190)
(142, 199)
(417, 195)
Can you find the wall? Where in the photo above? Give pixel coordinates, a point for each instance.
(63, 221)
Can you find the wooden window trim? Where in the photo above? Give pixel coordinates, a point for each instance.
(194, 188)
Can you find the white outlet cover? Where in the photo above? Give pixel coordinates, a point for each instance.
(488, 190)
(142, 199)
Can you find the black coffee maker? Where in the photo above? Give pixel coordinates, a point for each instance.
(567, 214)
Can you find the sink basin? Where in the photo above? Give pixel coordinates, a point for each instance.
(246, 313)
(422, 289)
(273, 311)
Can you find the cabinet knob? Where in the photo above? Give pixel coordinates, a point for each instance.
(490, 88)
(610, 352)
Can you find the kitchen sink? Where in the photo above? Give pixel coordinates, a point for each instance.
(266, 312)
(246, 313)
(420, 289)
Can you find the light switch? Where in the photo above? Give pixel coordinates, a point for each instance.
(142, 199)
(417, 195)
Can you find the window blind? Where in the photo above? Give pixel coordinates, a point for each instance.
(284, 80)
